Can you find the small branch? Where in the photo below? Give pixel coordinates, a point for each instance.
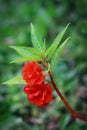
(74, 114)
(65, 102)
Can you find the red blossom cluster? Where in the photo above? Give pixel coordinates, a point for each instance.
(37, 91)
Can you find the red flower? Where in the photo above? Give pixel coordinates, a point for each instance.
(40, 95)
(32, 73)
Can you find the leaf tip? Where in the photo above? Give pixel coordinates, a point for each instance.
(3, 83)
(31, 25)
(11, 62)
(11, 46)
(68, 24)
(68, 38)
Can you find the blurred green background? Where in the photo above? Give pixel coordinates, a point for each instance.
(70, 73)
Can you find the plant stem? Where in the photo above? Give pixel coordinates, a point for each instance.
(73, 113)
(65, 102)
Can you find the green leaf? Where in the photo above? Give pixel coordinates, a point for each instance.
(29, 58)
(64, 121)
(36, 39)
(57, 54)
(44, 44)
(51, 50)
(26, 51)
(15, 80)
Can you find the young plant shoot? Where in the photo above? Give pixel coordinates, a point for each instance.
(39, 62)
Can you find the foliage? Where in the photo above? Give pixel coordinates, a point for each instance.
(70, 73)
(28, 55)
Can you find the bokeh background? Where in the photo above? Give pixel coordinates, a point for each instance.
(70, 73)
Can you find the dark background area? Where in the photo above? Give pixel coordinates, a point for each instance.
(70, 73)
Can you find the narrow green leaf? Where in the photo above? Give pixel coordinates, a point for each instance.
(57, 54)
(29, 58)
(15, 80)
(44, 44)
(36, 39)
(51, 50)
(26, 51)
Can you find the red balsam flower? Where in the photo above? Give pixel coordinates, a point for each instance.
(32, 73)
(40, 95)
